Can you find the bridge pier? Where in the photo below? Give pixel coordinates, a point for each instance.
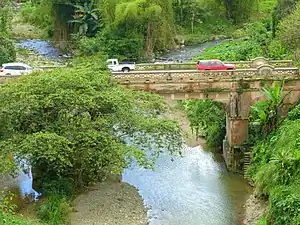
(237, 122)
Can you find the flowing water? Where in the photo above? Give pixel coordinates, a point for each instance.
(41, 47)
(194, 189)
(187, 53)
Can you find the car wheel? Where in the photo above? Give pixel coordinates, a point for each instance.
(126, 70)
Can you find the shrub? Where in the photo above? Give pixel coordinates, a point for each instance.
(237, 50)
(284, 205)
(62, 188)
(7, 50)
(11, 219)
(55, 211)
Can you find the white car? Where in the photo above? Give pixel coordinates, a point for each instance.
(15, 69)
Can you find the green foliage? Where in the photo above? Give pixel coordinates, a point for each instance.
(38, 15)
(72, 123)
(7, 50)
(275, 170)
(239, 10)
(61, 188)
(5, 20)
(266, 114)
(55, 211)
(262, 221)
(282, 10)
(9, 219)
(113, 44)
(254, 45)
(207, 117)
(87, 19)
(7, 47)
(288, 30)
(284, 205)
(236, 50)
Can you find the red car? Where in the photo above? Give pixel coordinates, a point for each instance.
(214, 65)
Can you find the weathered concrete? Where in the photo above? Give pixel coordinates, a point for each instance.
(237, 89)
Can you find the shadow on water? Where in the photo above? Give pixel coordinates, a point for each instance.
(191, 190)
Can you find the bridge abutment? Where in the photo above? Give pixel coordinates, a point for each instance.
(237, 122)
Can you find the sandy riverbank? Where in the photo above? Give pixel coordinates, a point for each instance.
(109, 203)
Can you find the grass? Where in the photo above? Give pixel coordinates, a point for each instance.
(262, 221)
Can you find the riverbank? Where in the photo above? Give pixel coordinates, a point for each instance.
(109, 203)
(254, 210)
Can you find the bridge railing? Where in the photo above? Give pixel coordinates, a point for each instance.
(239, 64)
(177, 76)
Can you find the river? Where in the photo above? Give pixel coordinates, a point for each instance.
(195, 189)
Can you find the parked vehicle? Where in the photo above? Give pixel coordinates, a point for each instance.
(214, 65)
(15, 69)
(115, 66)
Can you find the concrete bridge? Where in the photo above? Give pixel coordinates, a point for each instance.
(237, 89)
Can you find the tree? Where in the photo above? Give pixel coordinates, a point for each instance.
(76, 123)
(239, 10)
(153, 19)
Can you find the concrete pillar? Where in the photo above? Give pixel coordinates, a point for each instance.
(236, 127)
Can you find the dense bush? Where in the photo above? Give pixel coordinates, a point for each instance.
(207, 118)
(72, 122)
(275, 171)
(284, 205)
(115, 46)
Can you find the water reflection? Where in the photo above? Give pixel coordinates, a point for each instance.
(192, 190)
